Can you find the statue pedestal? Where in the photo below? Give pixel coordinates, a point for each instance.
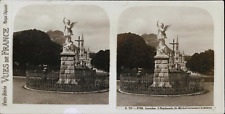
(67, 69)
(161, 72)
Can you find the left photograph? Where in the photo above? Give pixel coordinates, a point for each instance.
(61, 55)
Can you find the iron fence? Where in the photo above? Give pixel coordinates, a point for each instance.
(37, 79)
(142, 85)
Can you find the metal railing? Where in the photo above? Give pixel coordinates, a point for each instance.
(142, 85)
(37, 79)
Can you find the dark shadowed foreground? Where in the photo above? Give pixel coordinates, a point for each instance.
(147, 100)
(24, 96)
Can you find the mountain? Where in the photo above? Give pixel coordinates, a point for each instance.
(133, 52)
(35, 47)
(150, 39)
(56, 36)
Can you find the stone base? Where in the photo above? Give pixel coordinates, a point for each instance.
(161, 57)
(161, 72)
(67, 68)
(67, 53)
(67, 81)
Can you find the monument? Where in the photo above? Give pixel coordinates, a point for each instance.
(161, 72)
(170, 76)
(75, 73)
(67, 68)
(75, 63)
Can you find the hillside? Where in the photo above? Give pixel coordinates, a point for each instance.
(150, 39)
(34, 47)
(133, 52)
(56, 36)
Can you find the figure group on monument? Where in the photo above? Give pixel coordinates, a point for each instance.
(81, 54)
(162, 48)
(68, 33)
(74, 72)
(165, 59)
(170, 76)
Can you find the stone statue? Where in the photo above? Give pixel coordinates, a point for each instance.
(67, 34)
(162, 48)
(68, 30)
(162, 30)
(69, 46)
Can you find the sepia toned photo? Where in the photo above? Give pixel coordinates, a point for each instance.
(61, 55)
(165, 57)
(116, 57)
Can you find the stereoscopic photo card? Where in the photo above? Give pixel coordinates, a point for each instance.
(154, 56)
(111, 57)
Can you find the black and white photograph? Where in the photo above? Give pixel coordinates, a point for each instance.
(61, 55)
(165, 57)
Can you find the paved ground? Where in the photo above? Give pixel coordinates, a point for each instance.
(146, 100)
(24, 96)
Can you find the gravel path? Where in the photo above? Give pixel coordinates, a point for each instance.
(24, 96)
(146, 100)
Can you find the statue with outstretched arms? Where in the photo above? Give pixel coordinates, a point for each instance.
(68, 29)
(162, 30)
(68, 46)
(162, 48)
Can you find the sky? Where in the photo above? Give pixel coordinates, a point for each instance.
(92, 21)
(193, 26)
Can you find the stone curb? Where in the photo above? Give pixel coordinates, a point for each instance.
(192, 94)
(19, 76)
(100, 91)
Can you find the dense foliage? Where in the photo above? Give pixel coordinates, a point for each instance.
(133, 52)
(34, 47)
(202, 62)
(100, 60)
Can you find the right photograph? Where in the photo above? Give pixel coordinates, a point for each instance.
(165, 57)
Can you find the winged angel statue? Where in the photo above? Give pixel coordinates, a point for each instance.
(68, 30)
(161, 37)
(162, 30)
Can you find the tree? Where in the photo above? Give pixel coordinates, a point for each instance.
(34, 47)
(100, 60)
(202, 62)
(133, 52)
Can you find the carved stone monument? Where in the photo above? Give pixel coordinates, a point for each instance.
(67, 68)
(161, 72)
